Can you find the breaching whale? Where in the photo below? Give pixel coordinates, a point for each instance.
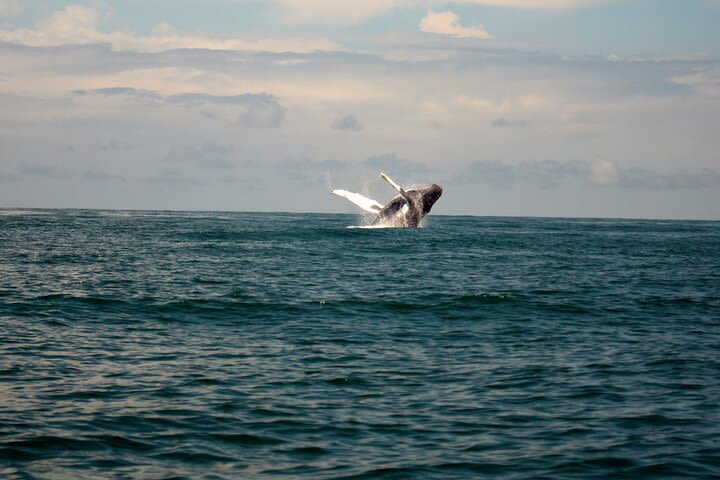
(405, 210)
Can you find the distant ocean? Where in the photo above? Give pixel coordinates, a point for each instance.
(176, 345)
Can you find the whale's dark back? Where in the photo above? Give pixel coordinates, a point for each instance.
(422, 200)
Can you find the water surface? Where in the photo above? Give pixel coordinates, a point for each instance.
(235, 345)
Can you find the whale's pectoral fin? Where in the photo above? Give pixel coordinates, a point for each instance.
(367, 204)
(391, 182)
(395, 186)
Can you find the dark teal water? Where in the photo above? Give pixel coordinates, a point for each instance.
(203, 345)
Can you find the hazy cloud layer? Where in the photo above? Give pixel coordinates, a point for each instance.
(80, 25)
(117, 145)
(84, 103)
(54, 172)
(397, 167)
(551, 174)
(259, 110)
(503, 122)
(207, 156)
(48, 171)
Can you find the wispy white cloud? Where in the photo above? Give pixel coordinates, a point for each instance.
(448, 23)
(79, 25)
(706, 81)
(257, 110)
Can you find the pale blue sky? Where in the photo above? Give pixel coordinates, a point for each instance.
(518, 107)
(625, 27)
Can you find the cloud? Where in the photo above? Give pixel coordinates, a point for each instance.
(175, 178)
(338, 12)
(551, 174)
(202, 99)
(79, 25)
(61, 173)
(348, 123)
(503, 122)
(100, 176)
(487, 172)
(120, 91)
(503, 105)
(448, 23)
(9, 8)
(397, 167)
(8, 177)
(604, 173)
(309, 172)
(210, 155)
(117, 145)
(586, 108)
(259, 110)
(47, 171)
(705, 82)
(545, 173)
(643, 178)
(263, 111)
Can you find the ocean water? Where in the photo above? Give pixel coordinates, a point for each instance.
(235, 345)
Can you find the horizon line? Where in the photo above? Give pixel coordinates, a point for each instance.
(558, 217)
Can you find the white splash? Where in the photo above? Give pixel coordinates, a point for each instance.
(371, 227)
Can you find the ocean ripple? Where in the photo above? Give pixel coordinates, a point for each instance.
(207, 345)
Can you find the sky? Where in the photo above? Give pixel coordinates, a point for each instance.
(569, 108)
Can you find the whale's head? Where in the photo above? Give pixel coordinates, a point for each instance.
(430, 195)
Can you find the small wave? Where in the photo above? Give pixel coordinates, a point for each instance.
(666, 301)
(347, 382)
(117, 214)
(423, 302)
(246, 439)
(17, 213)
(97, 301)
(192, 455)
(386, 472)
(123, 442)
(51, 442)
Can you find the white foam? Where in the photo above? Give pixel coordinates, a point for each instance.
(372, 226)
(13, 213)
(114, 214)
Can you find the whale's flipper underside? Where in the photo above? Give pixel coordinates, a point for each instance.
(367, 204)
